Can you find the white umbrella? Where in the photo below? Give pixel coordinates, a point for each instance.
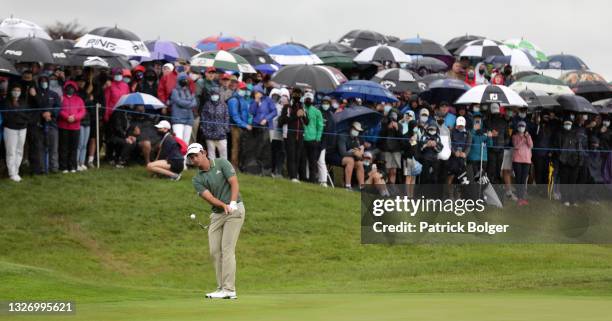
(19, 28)
(382, 53)
(483, 48)
(487, 94)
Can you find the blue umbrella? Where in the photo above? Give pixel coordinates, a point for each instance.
(563, 62)
(140, 99)
(289, 54)
(267, 68)
(365, 90)
(444, 90)
(367, 117)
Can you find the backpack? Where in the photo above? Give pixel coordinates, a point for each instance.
(182, 145)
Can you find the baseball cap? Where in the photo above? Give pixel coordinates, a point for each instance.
(242, 85)
(226, 76)
(194, 148)
(211, 69)
(522, 124)
(309, 95)
(169, 66)
(460, 121)
(424, 112)
(357, 125)
(163, 124)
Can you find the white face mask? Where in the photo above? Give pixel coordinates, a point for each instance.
(572, 116)
(476, 109)
(567, 127)
(214, 98)
(44, 85)
(325, 106)
(585, 117)
(431, 132)
(522, 114)
(335, 105)
(354, 132)
(241, 93)
(117, 77)
(15, 93)
(387, 109)
(606, 123)
(424, 119)
(521, 129)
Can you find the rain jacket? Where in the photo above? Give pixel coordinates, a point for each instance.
(522, 148)
(112, 94)
(238, 110)
(480, 79)
(266, 109)
(479, 137)
(215, 120)
(314, 128)
(71, 106)
(182, 102)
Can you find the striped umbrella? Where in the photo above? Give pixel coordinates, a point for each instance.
(518, 58)
(483, 48)
(219, 42)
(487, 94)
(521, 43)
(288, 54)
(382, 53)
(543, 83)
(140, 99)
(458, 42)
(399, 80)
(223, 60)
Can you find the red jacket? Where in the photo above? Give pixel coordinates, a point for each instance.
(167, 83)
(112, 94)
(71, 106)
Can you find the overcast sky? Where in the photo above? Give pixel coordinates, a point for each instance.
(582, 28)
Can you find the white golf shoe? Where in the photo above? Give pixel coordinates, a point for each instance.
(222, 294)
(211, 294)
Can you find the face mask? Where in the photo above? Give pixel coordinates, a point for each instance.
(585, 117)
(44, 85)
(394, 117)
(522, 114)
(567, 126)
(335, 105)
(521, 129)
(424, 119)
(507, 72)
(183, 83)
(127, 80)
(461, 129)
(308, 101)
(354, 132)
(325, 106)
(387, 109)
(53, 83)
(509, 113)
(404, 128)
(15, 93)
(214, 98)
(484, 108)
(471, 74)
(481, 71)
(248, 93)
(117, 77)
(275, 98)
(415, 130)
(476, 109)
(440, 121)
(193, 77)
(241, 93)
(366, 163)
(69, 91)
(572, 117)
(139, 75)
(606, 123)
(431, 132)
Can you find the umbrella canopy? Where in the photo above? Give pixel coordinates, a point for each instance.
(517, 58)
(219, 42)
(424, 47)
(20, 28)
(382, 53)
(428, 79)
(64, 44)
(164, 50)
(519, 75)
(426, 65)
(366, 90)
(576, 104)
(92, 57)
(588, 84)
(527, 45)
(7, 67)
(483, 48)
(190, 51)
(399, 80)
(287, 54)
(223, 60)
(319, 78)
(253, 55)
(604, 106)
(361, 39)
(563, 62)
(335, 59)
(550, 89)
(255, 44)
(487, 94)
(140, 99)
(334, 47)
(29, 50)
(120, 41)
(268, 68)
(538, 99)
(445, 89)
(458, 42)
(367, 117)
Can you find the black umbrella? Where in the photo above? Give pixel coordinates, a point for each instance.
(399, 80)
(424, 47)
(576, 104)
(593, 90)
(254, 56)
(64, 44)
(604, 106)
(428, 79)
(319, 78)
(335, 47)
(87, 56)
(427, 65)
(535, 100)
(7, 67)
(361, 39)
(189, 51)
(457, 42)
(367, 117)
(114, 32)
(28, 50)
(448, 90)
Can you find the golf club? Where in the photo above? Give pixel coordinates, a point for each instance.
(193, 217)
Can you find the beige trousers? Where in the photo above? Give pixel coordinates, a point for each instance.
(223, 233)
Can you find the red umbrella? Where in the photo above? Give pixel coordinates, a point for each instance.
(219, 43)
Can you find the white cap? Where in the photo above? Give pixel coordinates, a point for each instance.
(194, 148)
(309, 95)
(424, 111)
(169, 66)
(163, 124)
(357, 125)
(460, 121)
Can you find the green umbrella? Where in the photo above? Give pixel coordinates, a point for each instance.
(529, 46)
(336, 59)
(223, 60)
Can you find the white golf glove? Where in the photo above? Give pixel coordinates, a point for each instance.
(233, 206)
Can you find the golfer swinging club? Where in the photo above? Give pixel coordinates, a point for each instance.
(216, 182)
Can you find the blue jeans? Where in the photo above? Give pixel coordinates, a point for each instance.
(82, 149)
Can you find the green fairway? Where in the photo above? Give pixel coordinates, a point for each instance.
(121, 245)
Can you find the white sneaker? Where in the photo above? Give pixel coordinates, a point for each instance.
(73, 171)
(222, 294)
(82, 168)
(16, 178)
(323, 184)
(215, 293)
(65, 172)
(295, 180)
(567, 204)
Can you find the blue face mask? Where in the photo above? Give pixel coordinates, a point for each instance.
(387, 109)
(241, 93)
(404, 128)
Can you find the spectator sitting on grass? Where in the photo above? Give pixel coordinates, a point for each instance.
(169, 161)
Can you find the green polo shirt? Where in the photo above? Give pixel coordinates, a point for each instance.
(215, 180)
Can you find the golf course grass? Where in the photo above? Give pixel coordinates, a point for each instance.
(122, 246)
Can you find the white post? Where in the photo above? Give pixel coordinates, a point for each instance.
(98, 134)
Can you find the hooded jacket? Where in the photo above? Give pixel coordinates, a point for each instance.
(71, 106)
(314, 129)
(112, 94)
(182, 102)
(238, 110)
(265, 109)
(480, 79)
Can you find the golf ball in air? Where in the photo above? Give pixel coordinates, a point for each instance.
(192, 216)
